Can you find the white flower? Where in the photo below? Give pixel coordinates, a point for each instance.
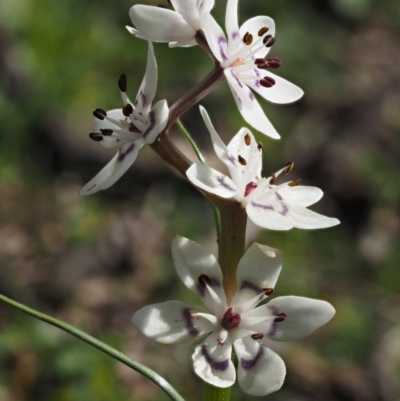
(276, 207)
(242, 54)
(178, 27)
(132, 126)
(241, 324)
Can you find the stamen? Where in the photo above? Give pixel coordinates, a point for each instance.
(267, 82)
(273, 179)
(247, 139)
(106, 132)
(123, 83)
(268, 291)
(100, 114)
(294, 183)
(289, 167)
(248, 38)
(269, 40)
(280, 317)
(96, 136)
(274, 62)
(242, 161)
(263, 30)
(257, 336)
(127, 110)
(204, 280)
(260, 146)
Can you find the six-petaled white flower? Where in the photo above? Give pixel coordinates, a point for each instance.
(242, 54)
(276, 207)
(241, 324)
(177, 27)
(133, 126)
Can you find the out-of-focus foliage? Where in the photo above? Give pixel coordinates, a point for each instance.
(93, 262)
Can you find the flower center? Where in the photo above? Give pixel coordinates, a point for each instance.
(230, 319)
(238, 62)
(250, 187)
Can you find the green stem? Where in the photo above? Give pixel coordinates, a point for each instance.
(145, 371)
(231, 243)
(189, 138)
(212, 393)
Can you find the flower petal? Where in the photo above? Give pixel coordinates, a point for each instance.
(260, 370)
(263, 214)
(160, 24)
(237, 86)
(258, 269)
(148, 88)
(171, 322)
(253, 25)
(304, 316)
(211, 180)
(212, 362)
(192, 261)
(302, 195)
(113, 171)
(232, 26)
(157, 120)
(215, 37)
(304, 218)
(98, 125)
(282, 92)
(255, 116)
(192, 11)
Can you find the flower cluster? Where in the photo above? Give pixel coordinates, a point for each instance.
(242, 322)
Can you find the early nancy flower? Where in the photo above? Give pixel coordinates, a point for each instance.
(276, 207)
(242, 53)
(241, 323)
(132, 127)
(177, 27)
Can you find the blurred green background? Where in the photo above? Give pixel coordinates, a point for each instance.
(93, 262)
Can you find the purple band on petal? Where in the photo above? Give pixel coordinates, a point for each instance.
(187, 315)
(274, 328)
(248, 285)
(220, 365)
(152, 118)
(122, 155)
(143, 98)
(239, 82)
(285, 209)
(214, 282)
(221, 181)
(221, 42)
(235, 35)
(264, 207)
(248, 364)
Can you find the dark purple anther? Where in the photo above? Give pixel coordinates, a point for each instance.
(96, 136)
(123, 83)
(204, 280)
(250, 187)
(230, 320)
(280, 317)
(106, 132)
(100, 114)
(268, 40)
(267, 82)
(127, 110)
(274, 62)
